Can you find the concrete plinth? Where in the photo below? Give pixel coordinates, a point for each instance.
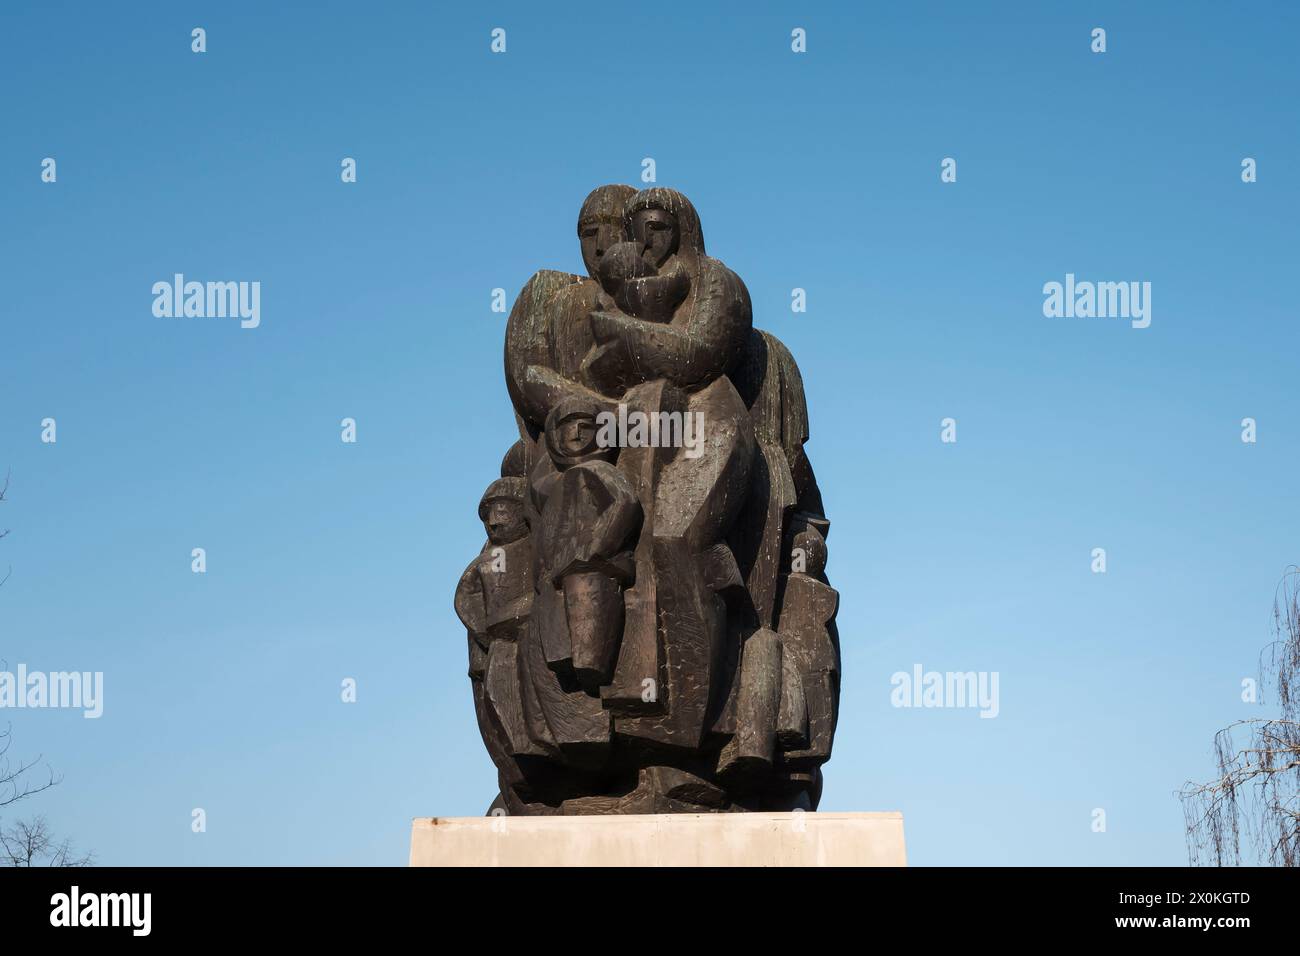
(682, 839)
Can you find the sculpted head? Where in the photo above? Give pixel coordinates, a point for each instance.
(665, 224)
(572, 429)
(502, 510)
(601, 222)
(657, 232)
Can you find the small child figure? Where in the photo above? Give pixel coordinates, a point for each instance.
(589, 517)
(495, 593)
(494, 601)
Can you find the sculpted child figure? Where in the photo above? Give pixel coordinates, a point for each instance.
(494, 601)
(495, 592)
(589, 517)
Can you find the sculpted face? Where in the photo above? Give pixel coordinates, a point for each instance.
(505, 521)
(573, 434)
(577, 435)
(601, 222)
(658, 233)
(597, 235)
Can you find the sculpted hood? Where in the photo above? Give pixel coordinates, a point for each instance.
(508, 489)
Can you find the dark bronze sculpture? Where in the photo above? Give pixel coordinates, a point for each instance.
(650, 625)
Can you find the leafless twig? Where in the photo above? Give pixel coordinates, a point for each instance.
(1257, 790)
(32, 843)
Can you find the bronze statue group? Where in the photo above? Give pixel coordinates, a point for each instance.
(650, 625)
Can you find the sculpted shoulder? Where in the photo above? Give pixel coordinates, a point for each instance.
(529, 335)
(527, 324)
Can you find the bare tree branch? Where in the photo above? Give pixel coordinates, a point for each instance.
(15, 783)
(29, 842)
(32, 843)
(1257, 790)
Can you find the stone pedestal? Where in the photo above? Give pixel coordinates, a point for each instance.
(682, 839)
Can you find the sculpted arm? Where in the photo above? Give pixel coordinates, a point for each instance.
(469, 603)
(695, 353)
(546, 387)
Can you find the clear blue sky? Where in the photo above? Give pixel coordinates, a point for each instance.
(328, 560)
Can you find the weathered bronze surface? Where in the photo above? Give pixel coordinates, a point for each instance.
(650, 625)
